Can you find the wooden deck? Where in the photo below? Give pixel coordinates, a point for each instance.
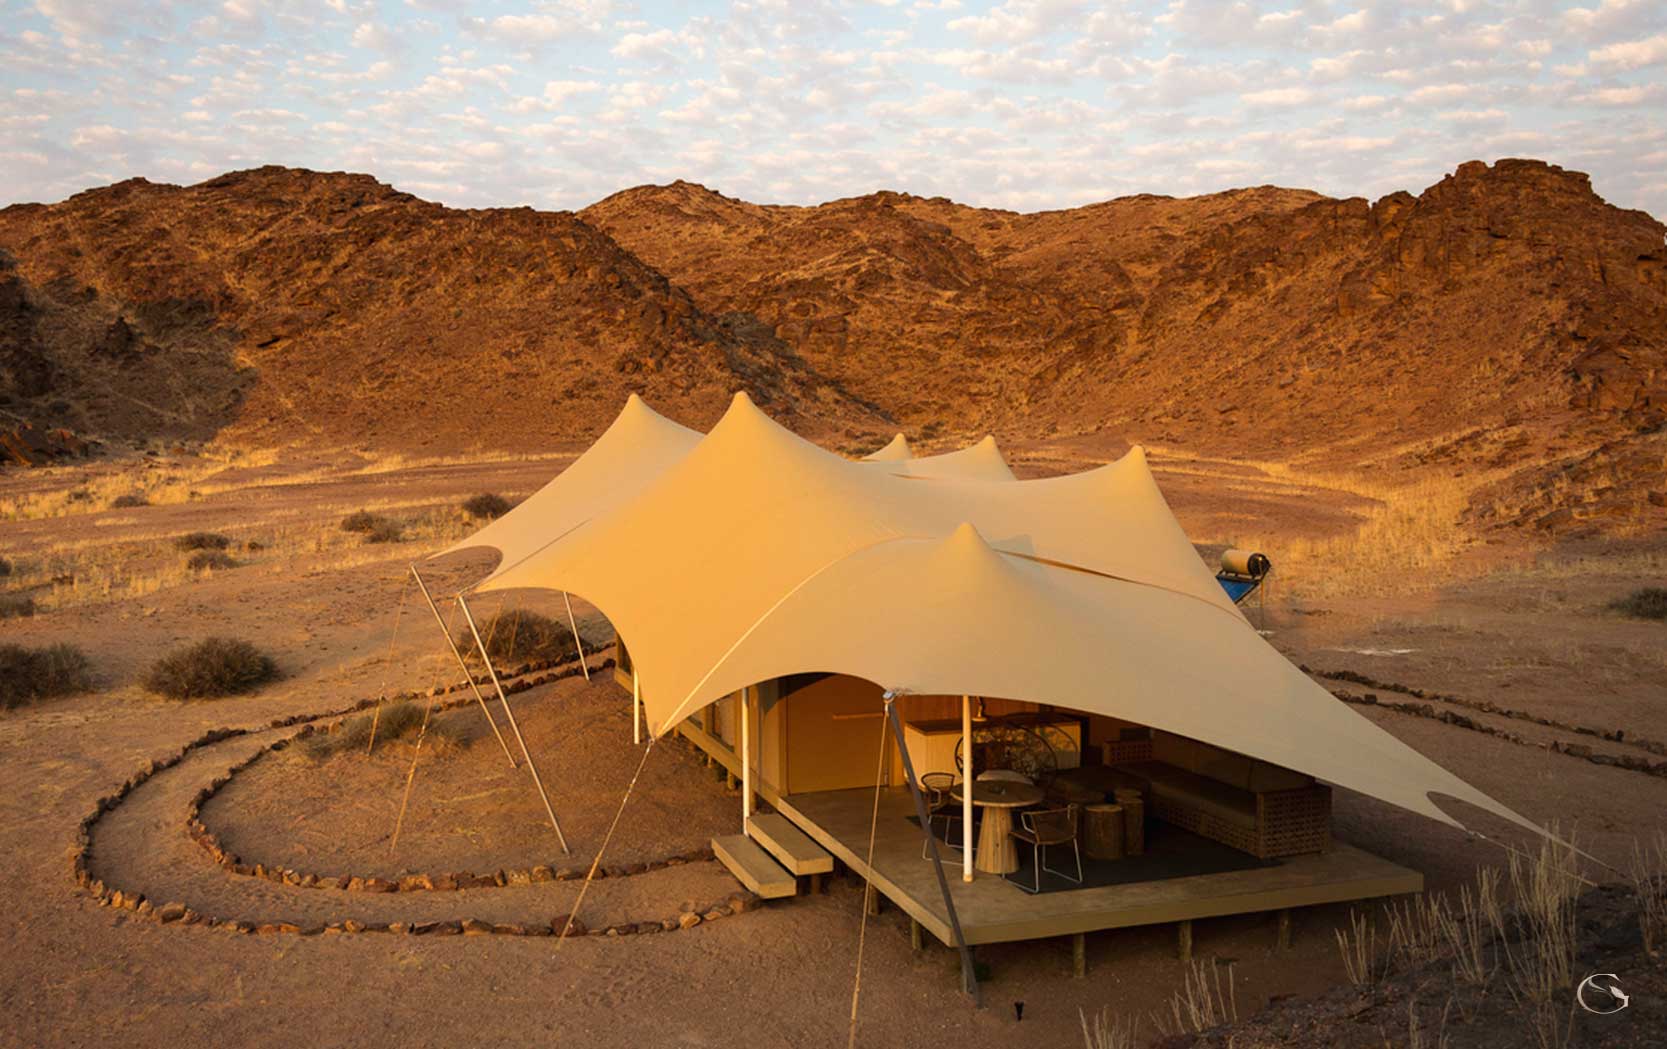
(993, 910)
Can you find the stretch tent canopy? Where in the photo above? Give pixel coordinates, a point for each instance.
(758, 554)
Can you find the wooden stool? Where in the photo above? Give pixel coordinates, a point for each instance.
(1103, 831)
(1134, 823)
(1067, 793)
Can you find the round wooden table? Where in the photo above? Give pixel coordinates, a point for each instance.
(998, 798)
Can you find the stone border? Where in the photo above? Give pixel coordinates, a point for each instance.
(1556, 746)
(1613, 735)
(198, 832)
(179, 914)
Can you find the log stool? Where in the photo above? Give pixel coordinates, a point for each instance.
(1067, 792)
(1103, 831)
(1134, 821)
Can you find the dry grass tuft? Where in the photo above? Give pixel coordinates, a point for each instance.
(16, 606)
(517, 636)
(128, 501)
(1108, 1032)
(1203, 1002)
(1648, 871)
(30, 674)
(201, 541)
(1359, 947)
(210, 560)
(396, 721)
(487, 505)
(1648, 602)
(213, 667)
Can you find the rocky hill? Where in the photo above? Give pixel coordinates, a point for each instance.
(276, 306)
(1507, 324)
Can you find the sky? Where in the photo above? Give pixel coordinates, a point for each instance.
(1027, 104)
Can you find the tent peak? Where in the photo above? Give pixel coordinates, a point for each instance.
(896, 449)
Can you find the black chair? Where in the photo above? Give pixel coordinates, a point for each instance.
(1040, 828)
(935, 788)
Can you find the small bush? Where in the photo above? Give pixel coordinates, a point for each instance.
(361, 521)
(402, 720)
(487, 505)
(16, 606)
(515, 636)
(1648, 602)
(210, 560)
(126, 502)
(385, 532)
(5, 567)
(28, 674)
(201, 541)
(216, 666)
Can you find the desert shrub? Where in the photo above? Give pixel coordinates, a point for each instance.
(361, 521)
(402, 720)
(5, 567)
(516, 636)
(28, 674)
(210, 560)
(215, 666)
(201, 541)
(1648, 602)
(486, 505)
(16, 606)
(128, 501)
(385, 532)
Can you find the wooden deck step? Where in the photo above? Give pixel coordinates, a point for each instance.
(791, 846)
(754, 867)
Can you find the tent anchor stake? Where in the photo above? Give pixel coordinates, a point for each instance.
(969, 977)
(509, 715)
(468, 675)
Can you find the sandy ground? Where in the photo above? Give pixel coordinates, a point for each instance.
(1530, 636)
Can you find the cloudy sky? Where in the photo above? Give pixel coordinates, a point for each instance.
(1026, 104)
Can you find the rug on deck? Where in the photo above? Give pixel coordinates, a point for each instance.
(1170, 853)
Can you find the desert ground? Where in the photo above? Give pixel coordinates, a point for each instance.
(1392, 592)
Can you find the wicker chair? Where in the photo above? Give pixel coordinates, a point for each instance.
(1041, 828)
(935, 786)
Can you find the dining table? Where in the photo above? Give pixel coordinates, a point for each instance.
(998, 798)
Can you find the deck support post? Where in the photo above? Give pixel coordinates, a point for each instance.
(969, 977)
(1284, 935)
(636, 707)
(468, 675)
(871, 899)
(816, 884)
(746, 764)
(916, 943)
(1183, 940)
(1079, 955)
(509, 715)
(966, 793)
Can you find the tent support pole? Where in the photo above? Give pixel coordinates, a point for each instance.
(468, 675)
(966, 795)
(509, 715)
(636, 708)
(969, 978)
(746, 763)
(578, 646)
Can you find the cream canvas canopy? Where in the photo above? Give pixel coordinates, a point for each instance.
(757, 554)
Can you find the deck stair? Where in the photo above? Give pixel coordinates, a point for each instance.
(791, 847)
(753, 867)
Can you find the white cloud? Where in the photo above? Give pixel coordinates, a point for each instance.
(1631, 54)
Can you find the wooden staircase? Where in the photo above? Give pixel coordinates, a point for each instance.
(769, 858)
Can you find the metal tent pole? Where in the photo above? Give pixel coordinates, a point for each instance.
(510, 716)
(468, 675)
(636, 707)
(966, 788)
(578, 645)
(969, 978)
